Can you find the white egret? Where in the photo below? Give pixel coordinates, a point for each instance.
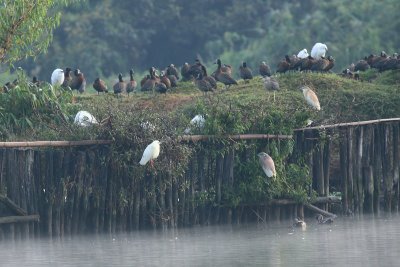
(151, 152)
(197, 122)
(319, 50)
(84, 118)
(300, 224)
(57, 77)
(303, 53)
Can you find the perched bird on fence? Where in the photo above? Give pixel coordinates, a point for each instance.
(299, 223)
(311, 97)
(264, 69)
(120, 86)
(84, 118)
(319, 50)
(197, 122)
(321, 220)
(267, 164)
(100, 86)
(150, 153)
(303, 54)
(78, 81)
(132, 84)
(245, 72)
(57, 77)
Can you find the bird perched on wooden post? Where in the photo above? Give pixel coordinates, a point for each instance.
(267, 164)
(319, 50)
(132, 84)
(264, 69)
(150, 153)
(245, 72)
(57, 77)
(100, 86)
(311, 97)
(120, 86)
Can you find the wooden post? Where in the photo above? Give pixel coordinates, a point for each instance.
(343, 168)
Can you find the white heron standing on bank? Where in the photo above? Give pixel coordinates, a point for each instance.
(303, 53)
(150, 153)
(319, 50)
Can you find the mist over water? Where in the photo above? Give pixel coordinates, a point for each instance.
(349, 241)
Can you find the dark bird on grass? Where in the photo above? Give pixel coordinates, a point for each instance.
(78, 81)
(321, 220)
(165, 80)
(209, 79)
(377, 61)
(223, 68)
(100, 86)
(195, 69)
(203, 84)
(264, 69)
(390, 63)
(245, 72)
(305, 64)
(120, 86)
(173, 80)
(361, 65)
(132, 84)
(36, 82)
(331, 64)
(67, 78)
(224, 77)
(171, 70)
(271, 84)
(186, 76)
(145, 78)
(284, 65)
(150, 84)
(320, 64)
(10, 86)
(161, 87)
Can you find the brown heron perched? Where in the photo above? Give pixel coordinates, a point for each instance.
(311, 97)
(267, 163)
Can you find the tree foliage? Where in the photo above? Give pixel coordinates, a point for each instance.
(104, 38)
(26, 27)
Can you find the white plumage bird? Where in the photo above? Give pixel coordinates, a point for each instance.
(311, 97)
(267, 164)
(84, 118)
(319, 50)
(151, 152)
(197, 122)
(57, 77)
(303, 53)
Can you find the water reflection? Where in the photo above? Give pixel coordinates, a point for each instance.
(364, 241)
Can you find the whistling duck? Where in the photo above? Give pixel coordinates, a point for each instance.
(150, 84)
(209, 79)
(132, 84)
(78, 81)
(67, 77)
(165, 80)
(100, 86)
(120, 86)
(264, 69)
(171, 70)
(224, 77)
(186, 76)
(245, 72)
(203, 84)
(361, 65)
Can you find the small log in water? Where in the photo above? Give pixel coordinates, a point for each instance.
(11, 205)
(316, 209)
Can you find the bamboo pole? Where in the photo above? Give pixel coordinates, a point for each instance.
(323, 212)
(357, 123)
(54, 143)
(195, 138)
(19, 219)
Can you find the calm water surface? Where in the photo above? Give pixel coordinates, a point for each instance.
(364, 241)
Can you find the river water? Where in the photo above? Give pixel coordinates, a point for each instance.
(349, 241)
